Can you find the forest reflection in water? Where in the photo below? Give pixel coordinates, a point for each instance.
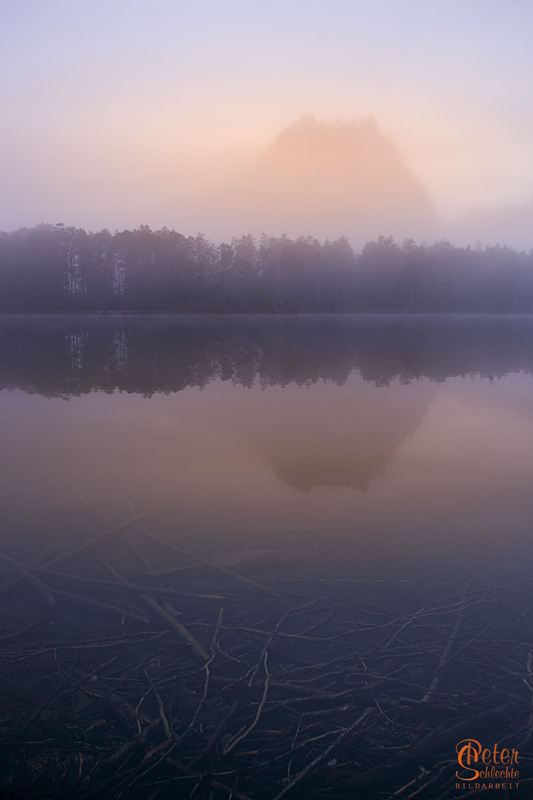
(400, 435)
(312, 534)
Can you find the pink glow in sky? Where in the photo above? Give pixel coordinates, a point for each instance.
(114, 113)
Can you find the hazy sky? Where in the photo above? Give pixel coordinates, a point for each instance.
(111, 109)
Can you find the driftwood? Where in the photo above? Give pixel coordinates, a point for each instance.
(28, 577)
(171, 621)
(229, 573)
(318, 759)
(84, 580)
(90, 543)
(176, 626)
(124, 689)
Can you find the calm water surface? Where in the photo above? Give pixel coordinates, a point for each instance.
(356, 446)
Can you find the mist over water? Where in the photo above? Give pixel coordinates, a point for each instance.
(337, 498)
(406, 437)
(265, 479)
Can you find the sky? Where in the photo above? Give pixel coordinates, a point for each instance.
(112, 110)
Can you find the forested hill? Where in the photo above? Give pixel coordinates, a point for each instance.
(53, 268)
(332, 179)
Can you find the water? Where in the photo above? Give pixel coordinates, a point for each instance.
(376, 440)
(367, 483)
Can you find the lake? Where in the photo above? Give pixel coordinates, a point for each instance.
(412, 435)
(381, 460)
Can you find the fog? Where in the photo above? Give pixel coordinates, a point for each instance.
(314, 176)
(265, 486)
(330, 179)
(125, 115)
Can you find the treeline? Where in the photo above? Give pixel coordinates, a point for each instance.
(54, 268)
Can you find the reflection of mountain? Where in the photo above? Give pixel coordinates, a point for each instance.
(509, 225)
(328, 180)
(339, 438)
(75, 355)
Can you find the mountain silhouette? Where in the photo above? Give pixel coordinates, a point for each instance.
(321, 179)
